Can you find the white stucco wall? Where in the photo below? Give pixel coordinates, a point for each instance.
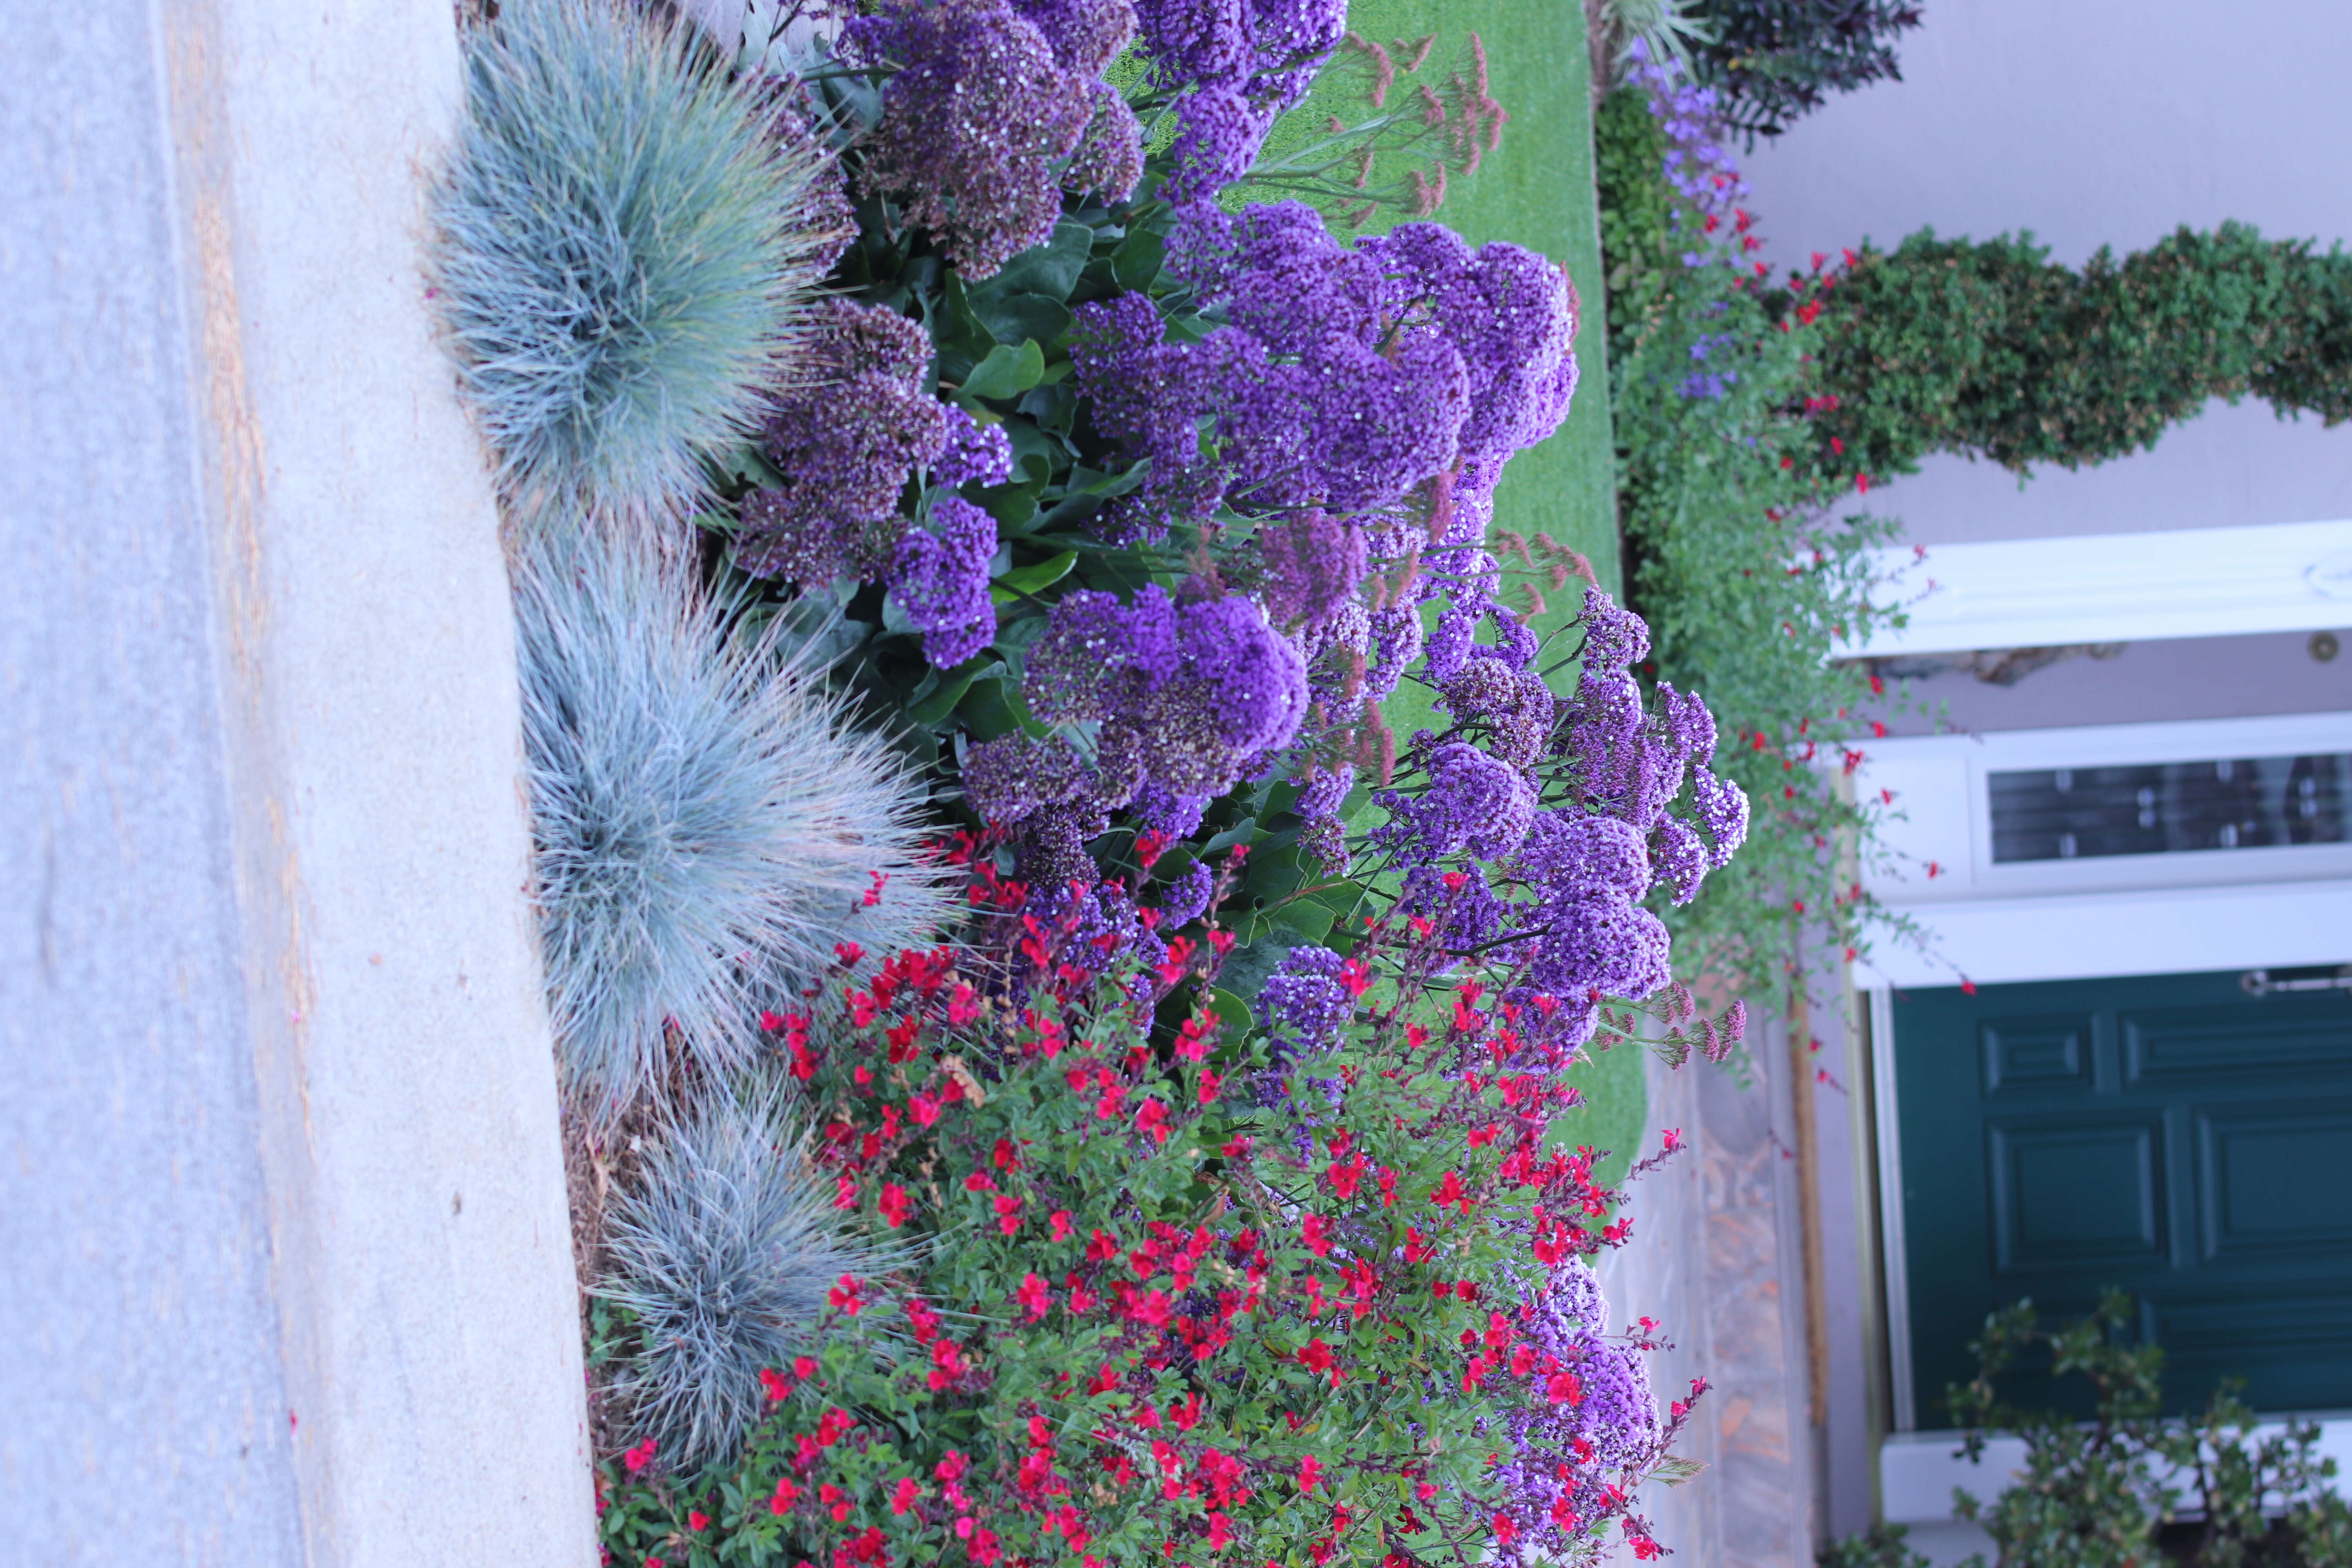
(2092, 122)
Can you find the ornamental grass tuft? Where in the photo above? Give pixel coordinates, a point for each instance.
(627, 245)
(723, 1254)
(710, 828)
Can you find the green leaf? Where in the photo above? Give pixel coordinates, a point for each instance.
(1033, 579)
(1050, 269)
(1019, 316)
(1231, 1010)
(953, 684)
(1137, 259)
(1006, 371)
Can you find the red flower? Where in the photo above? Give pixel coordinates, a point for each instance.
(1450, 1191)
(1310, 1230)
(775, 1383)
(638, 1458)
(1060, 1220)
(697, 1522)
(786, 1495)
(845, 1298)
(1310, 1470)
(849, 953)
(895, 1205)
(1152, 1117)
(1034, 1295)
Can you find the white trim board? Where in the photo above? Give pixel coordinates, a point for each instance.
(2126, 914)
(1918, 1471)
(2115, 587)
(1893, 1259)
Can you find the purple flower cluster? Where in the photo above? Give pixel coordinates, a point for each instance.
(975, 454)
(1185, 694)
(1698, 163)
(1305, 1005)
(847, 445)
(1238, 65)
(941, 581)
(1340, 379)
(990, 106)
(1573, 1441)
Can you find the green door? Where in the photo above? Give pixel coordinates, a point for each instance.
(2173, 1135)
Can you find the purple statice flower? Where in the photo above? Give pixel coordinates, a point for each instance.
(1187, 694)
(1219, 133)
(976, 118)
(1681, 858)
(1512, 316)
(941, 581)
(1312, 561)
(1322, 795)
(1304, 1003)
(1474, 805)
(1722, 811)
(1186, 898)
(1326, 839)
(1565, 852)
(1015, 776)
(847, 445)
(1172, 817)
(1109, 158)
(1086, 36)
(1238, 65)
(1688, 724)
(1596, 941)
(1605, 735)
(1092, 926)
(1614, 639)
(1397, 640)
(1469, 916)
(975, 454)
(1566, 1452)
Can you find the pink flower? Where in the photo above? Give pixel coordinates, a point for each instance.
(638, 1458)
(1034, 1295)
(1310, 1470)
(895, 1205)
(904, 1498)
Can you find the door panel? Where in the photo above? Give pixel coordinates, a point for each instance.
(2167, 1135)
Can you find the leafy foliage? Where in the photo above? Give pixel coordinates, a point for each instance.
(1777, 60)
(1742, 558)
(2109, 1493)
(624, 251)
(1167, 1290)
(706, 824)
(1989, 348)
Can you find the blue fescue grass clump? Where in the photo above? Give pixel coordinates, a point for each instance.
(709, 824)
(626, 252)
(723, 1253)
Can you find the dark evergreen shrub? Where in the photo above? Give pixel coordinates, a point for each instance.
(1775, 60)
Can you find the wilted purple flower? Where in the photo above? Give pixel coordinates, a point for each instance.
(975, 121)
(975, 454)
(1086, 36)
(1723, 812)
(1304, 1003)
(1109, 157)
(846, 445)
(1312, 561)
(941, 580)
(1015, 776)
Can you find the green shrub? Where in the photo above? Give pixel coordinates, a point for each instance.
(1774, 60)
(2130, 1487)
(1989, 348)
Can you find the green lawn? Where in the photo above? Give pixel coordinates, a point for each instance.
(1536, 189)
